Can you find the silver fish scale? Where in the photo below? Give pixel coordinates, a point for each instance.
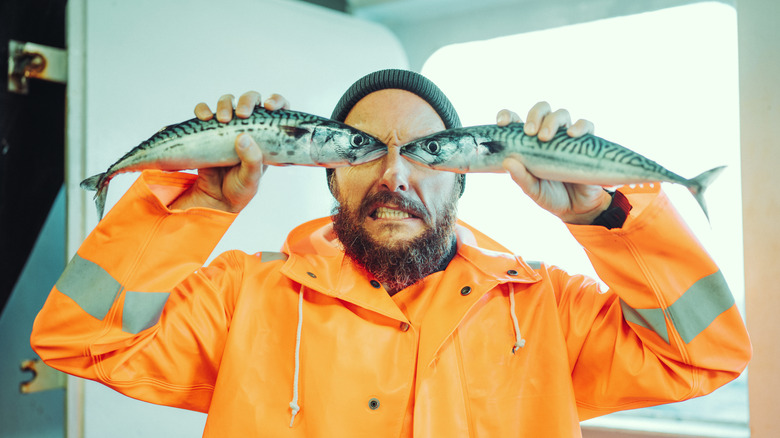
(285, 137)
(587, 147)
(280, 134)
(259, 119)
(585, 160)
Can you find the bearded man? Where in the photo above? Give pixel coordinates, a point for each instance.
(391, 318)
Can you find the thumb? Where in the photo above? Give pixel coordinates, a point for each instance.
(521, 176)
(251, 161)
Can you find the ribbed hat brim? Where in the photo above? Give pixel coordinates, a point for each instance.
(402, 80)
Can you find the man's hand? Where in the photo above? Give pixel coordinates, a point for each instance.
(577, 204)
(230, 188)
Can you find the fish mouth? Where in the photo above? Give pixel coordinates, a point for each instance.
(371, 155)
(409, 153)
(427, 161)
(416, 158)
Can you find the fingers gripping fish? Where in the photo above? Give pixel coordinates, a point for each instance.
(586, 160)
(285, 138)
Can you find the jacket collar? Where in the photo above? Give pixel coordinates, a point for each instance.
(317, 262)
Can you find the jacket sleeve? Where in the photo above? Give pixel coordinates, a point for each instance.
(666, 330)
(134, 309)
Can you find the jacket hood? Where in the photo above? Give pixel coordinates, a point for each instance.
(313, 242)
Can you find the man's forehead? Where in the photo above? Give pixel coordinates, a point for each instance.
(394, 107)
(389, 99)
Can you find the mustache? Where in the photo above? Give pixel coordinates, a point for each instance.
(413, 206)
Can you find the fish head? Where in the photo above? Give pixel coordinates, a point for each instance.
(335, 144)
(450, 150)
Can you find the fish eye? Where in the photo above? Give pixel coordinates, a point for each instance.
(432, 147)
(358, 140)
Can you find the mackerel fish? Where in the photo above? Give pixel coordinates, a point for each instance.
(285, 138)
(586, 160)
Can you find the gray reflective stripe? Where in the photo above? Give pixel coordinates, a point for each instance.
(89, 285)
(693, 312)
(700, 305)
(652, 319)
(142, 310)
(271, 256)
(534, 264)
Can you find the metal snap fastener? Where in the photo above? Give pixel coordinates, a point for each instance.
(511, 272)
(465, 291)
(404, 327)
(312, 275)
(376, 284)
(373, 404)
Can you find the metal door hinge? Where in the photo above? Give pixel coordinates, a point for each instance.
(30, 60)
(44, 377)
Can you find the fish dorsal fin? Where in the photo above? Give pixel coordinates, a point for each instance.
(294, 131)
(494, 147)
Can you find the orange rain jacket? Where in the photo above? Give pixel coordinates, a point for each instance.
(252, 337)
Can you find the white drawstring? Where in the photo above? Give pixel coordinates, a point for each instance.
(519, 341)
(294, 403)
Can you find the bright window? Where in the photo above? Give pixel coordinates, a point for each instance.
(662, 83)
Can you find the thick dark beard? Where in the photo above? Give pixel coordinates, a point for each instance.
(402, 265)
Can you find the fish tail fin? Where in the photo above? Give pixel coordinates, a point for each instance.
(699, 184)
(100, 200)
(92, 183)
(97, 184)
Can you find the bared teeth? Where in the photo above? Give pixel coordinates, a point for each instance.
(389, 213)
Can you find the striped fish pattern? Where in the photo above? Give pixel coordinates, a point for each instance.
(586, 160)
(285, 137)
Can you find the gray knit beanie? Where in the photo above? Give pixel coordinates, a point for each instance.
(402, 80)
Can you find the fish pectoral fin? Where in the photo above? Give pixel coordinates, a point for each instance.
(294, 131)
(494, 147)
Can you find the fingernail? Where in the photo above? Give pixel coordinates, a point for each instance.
(243, 141)
(530, 127)
(544, 133)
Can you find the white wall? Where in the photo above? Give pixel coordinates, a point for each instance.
(138, 66)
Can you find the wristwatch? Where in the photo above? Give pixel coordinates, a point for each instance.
(615, 215)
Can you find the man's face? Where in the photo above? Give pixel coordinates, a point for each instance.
(397, 199)
(395, 217)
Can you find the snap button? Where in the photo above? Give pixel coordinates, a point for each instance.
(373, 404)
(376, 284)
(465, 291)
(312, 275)
(404, 327)
(511, 272)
